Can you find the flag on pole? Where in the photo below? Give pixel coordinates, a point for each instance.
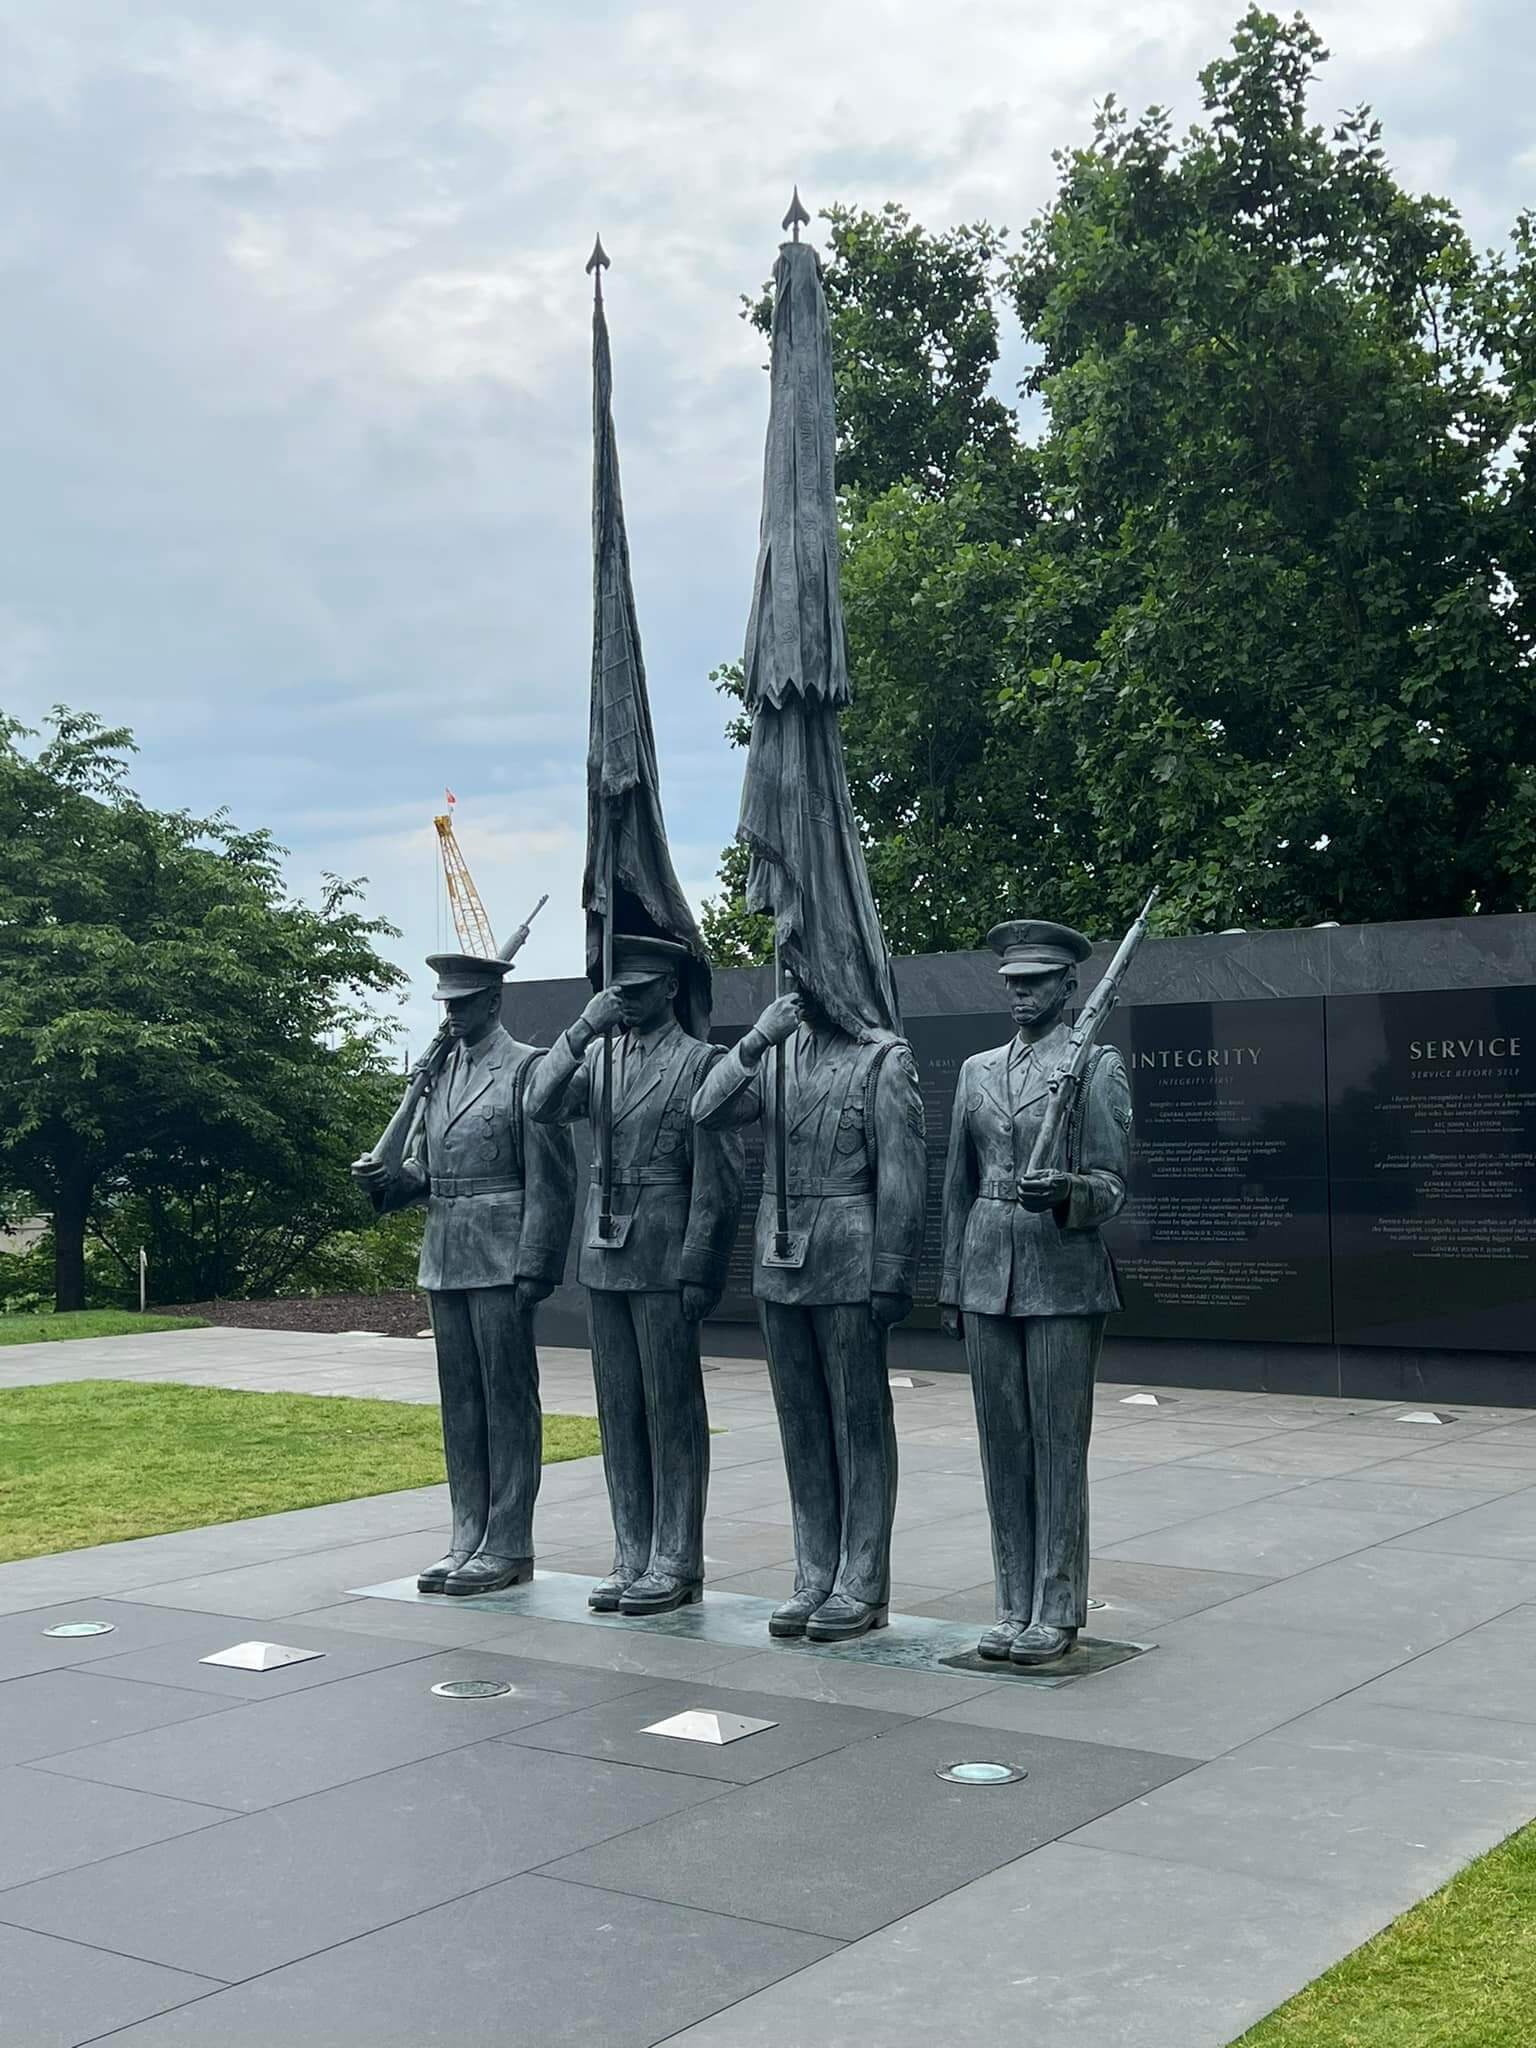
(807, 860)
(629, 874)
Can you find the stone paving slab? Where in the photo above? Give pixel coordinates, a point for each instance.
(841, 1845)
(616, 1731)
(72, 1993)
(1067, 1948)
(579, 1967)
(1315, 1805)
(53, 1823)
(53, 1712)
(250, 1756)
(267, 1888)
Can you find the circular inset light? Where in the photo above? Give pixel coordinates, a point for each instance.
(473, 1689)
(980, 1774)
(81, 1628)
(1096, 1605)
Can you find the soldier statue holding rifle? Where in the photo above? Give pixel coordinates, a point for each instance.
(500, 1192)
(1039, 1151)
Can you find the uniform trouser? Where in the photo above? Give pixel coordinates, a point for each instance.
(650, 1406)
(1032, 1377)
(827, 1366)
(488, 1379)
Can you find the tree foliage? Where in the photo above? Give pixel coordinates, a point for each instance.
(1252, 617)
(175, 1033)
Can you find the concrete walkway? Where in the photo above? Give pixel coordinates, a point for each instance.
(1338, 1714)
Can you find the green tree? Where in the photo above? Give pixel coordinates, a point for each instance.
(1252, 617)
(174, 1031)
(1278, 626)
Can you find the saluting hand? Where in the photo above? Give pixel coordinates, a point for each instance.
(604, 1012)
(781, 1019)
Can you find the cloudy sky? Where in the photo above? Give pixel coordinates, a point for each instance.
(294, 360)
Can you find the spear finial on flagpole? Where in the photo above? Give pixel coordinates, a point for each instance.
(796, 215)
(597, 263)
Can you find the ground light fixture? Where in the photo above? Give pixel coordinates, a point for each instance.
(81, 1628)
(473, 1689)
(980, 1773)
(705, 1724)
(260, 1656)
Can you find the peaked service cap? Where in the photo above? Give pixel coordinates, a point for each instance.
(638, 959)
(464, 974)
(1033, 945)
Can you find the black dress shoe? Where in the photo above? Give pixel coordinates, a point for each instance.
(840, 1618)
(487, 1573)
(1042, 1643)
(790, 1618)
(1000, 1639)
(433, 1578)
(605, 1596)
(659, 1593)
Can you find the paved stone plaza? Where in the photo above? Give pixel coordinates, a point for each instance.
(1337, 1714)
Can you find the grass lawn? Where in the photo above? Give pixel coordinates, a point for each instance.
(89, 1322)
(1458, 1971)
(100, 1460)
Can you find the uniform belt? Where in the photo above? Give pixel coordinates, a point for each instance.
(651, 1177)
(451, 1185)
(999, 1191)
(849, 1184)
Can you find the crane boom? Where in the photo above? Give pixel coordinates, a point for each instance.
(469, 918)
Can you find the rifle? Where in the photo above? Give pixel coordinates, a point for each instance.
(1068, 1077)
(391, 1148)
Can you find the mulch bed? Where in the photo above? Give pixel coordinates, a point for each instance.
(387, 1315)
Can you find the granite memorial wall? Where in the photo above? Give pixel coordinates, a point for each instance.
(1335, 1174)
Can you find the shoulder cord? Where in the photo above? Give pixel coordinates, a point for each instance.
(1079, 1110)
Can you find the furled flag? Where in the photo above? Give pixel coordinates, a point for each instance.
(807, 861)
(629, 873)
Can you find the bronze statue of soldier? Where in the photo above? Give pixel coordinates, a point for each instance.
(856, 1183)
(1028, 1282)
(500, 1191)
(675, 1195)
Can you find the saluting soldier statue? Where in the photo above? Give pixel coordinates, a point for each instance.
(856, 1185)
(675, 1195)
(500, 1192)
(1027, 1278)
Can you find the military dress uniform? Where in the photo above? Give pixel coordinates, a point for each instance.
(857, 1181)
(1034, 1288)
(676, 1196)
(500, 1192)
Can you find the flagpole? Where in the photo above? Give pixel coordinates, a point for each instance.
(780, 1127)
(605, 1212)
(597, 263)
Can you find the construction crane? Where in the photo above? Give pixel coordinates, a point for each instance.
(469, 918)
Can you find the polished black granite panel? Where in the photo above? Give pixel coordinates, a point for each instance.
(1432, 1119)
(1225, 1229)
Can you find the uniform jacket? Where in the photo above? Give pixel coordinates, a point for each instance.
(519, 1226)
(857, 1164)
(1000, 1259)
(680, 1187)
